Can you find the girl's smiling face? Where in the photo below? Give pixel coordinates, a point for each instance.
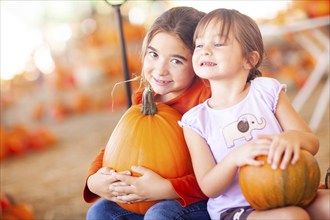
(167, 66)
(217, 56)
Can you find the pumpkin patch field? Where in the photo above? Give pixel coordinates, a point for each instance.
(64, 103)
(49, 178)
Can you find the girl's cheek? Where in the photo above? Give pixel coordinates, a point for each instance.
(146, 68)
(194, 59)
(148, 64)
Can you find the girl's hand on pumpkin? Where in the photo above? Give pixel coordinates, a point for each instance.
(100, 182)
(284, 149)
(246, 154)
(148, 187)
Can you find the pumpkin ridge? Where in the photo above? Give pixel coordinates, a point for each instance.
(309, 195)
(274, 175)
(285, 177)
(304, 184)
(176, 158)
(139, 155)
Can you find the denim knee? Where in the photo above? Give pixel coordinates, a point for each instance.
(167, 209)
(104, 209)
(95, 211)
(172, 210)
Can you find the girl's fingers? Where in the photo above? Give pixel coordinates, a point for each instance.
(273, 150)
(125, 178)
(127, 172)
(119, 183)
(117, 194)
(117, 200)
(283, 150)
(277, 157)
(263, 147)
(286, 158)
(296, 155)
(255, 162)
(106, 171)
(129, 198)
(121, 190)
(270, 155)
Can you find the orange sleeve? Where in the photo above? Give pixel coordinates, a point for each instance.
(188, 190)
(94, 167)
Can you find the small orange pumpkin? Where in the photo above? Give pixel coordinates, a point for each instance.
(265, 188)
(148, 135)
(17, 212)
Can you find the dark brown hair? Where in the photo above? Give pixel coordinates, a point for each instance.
(179, 21)
(244, 29)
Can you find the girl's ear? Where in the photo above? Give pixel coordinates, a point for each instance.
(252, 60)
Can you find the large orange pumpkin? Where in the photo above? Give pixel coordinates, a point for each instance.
(265, 188)
(148, 135)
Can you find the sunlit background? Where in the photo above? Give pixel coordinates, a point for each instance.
(32, 31)
(61, 94)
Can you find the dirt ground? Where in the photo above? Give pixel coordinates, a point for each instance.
(51, 181)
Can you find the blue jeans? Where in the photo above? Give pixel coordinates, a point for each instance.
(163, 210)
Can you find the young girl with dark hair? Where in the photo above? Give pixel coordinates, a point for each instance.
(167, 67)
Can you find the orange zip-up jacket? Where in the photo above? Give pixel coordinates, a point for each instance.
(186, 187)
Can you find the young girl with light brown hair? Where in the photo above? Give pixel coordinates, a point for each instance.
(246, 116)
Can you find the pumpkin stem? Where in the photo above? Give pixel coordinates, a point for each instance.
(148, 102)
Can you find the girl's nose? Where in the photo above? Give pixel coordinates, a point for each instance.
(161, 69)
(206, 50)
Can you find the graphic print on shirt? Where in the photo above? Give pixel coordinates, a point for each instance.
(242, 128)
(238, 214)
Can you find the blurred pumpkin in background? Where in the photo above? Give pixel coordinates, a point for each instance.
(313, 9)
(10, 210)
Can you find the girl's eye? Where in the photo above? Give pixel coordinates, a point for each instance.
(218, 45)
(176, 61)
(198, 46)
(153, 54)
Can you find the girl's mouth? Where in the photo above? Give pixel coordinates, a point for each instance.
(162, 82)
(208, 64)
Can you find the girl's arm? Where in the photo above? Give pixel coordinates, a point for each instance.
(88, 195)
(211, 179)
(296, 135)
(215, 178)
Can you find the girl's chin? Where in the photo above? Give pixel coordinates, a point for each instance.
(159, 91)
